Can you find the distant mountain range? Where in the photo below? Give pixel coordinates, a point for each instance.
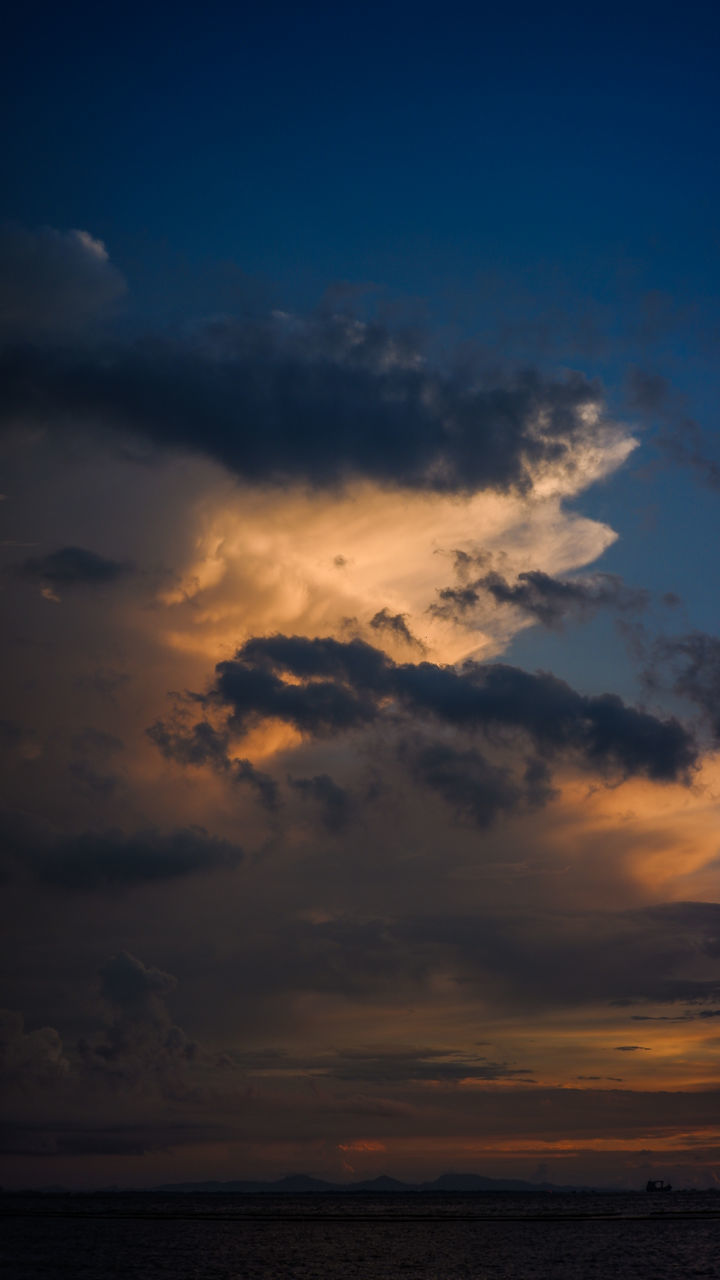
(301, 1184)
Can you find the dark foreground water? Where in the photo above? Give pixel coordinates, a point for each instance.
(490, 1236)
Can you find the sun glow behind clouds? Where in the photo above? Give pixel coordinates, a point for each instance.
(403, 905)
(322, 564)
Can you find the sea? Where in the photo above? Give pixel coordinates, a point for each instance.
(423, 1236)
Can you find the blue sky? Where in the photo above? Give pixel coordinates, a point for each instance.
(412, 146)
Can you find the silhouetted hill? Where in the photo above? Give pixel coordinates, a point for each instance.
(383, 1183)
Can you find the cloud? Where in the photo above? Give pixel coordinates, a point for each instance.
(321, 400)
(690, 666)
(128, 983)
(96, 743)
(331, 685)
(404, 882)
(544, 958)
(29, 1058)
(53, 282)
(201, 744)
(396, 624)
(542, 597)
(680, 438)
(334, 801)
(141, 1047)
(381, 1065)
(112, 860)
(476, 789)
(72, 567)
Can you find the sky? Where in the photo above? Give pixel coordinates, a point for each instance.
(361, 649)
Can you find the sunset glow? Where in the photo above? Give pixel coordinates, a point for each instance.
(361, 719)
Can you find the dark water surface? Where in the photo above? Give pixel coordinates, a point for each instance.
(484, 1236)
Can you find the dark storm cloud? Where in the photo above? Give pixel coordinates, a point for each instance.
(127, 982)
(91, 862)
(690, 666)
(52, 282)
(319, 401)
(72, 567)
(474, 788)
(29, 1057)
(202, 744)
(112, 860)
(477, 790)
(140, 1047)
(549, 600)
(317, 707)
(195, 745)
(334, 802)
(351, 684)
(265, 787)
(396, 624)
(136, 1056)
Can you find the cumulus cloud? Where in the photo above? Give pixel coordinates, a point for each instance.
(323, 686)
(128, 983)
(141, 1048)
(403, 883)
(29, 1058)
